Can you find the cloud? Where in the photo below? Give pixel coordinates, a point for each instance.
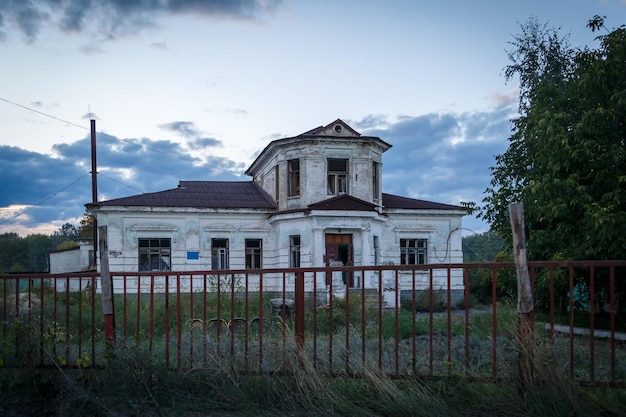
(54, 189)
(114, 17)
(443, 157)
(188, 131)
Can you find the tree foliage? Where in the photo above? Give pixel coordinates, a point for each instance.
(566, 159)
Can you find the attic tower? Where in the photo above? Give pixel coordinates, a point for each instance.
(321, 164)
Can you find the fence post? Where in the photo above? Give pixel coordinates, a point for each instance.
(108, 305)
(525, 304)
(299, 310)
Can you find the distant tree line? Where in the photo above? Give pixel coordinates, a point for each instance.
(31, 253)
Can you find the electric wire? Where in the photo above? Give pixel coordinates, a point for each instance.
(182, 158)
(119, 182)
(44, 200)
(42, 113)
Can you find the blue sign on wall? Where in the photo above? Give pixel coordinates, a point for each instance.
(193, 255)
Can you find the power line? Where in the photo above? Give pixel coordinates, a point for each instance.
(120, 140)
(44, 200)
(42, 113)
(119, 182)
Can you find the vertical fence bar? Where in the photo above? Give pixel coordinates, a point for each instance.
(571, 322)
(592, 313)
(347, 319)
(494, 321)
(67, 320)
(396, 322)
(363, 318)
(41, 320)
(552, 306)
(380, 320)
(467, 338)
(612, 318)
(179, 318)
(299, 311)
(315, 320)
(93, 320)
(139, 309)
(80, 315)
(167, 321)
(413, 324)
(330, 323)
(449, 319)
(431, 348)
(260, 321)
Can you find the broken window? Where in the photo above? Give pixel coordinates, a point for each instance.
(413, 251)
(219, 254)
(337, 176)
(253, 253)
(293, 177)
(294, 251)
(154, 254)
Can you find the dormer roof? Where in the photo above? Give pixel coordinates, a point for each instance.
(334, 131)
(337, 128)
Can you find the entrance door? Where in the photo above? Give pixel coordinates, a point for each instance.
(339, 253)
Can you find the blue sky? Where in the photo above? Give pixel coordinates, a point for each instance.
(193, 90)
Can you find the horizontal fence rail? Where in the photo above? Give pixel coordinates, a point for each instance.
(402, 321)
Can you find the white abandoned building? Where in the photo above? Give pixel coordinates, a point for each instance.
(314, 199)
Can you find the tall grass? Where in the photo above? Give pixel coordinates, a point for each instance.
(135, 384)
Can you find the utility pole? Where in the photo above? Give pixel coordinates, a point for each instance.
(94, 190)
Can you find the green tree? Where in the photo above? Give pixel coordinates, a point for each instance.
(12, 251)
(85, 230)
(68, 231)
(565, 159)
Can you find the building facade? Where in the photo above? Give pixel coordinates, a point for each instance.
(315, 199)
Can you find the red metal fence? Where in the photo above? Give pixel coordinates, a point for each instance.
(399, 320)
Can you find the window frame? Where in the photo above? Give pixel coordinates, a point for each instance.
(375, 184)
(220, 255)
(337, 177)
(154, 250)
(253, 253)
(294, 251)
(293, 177)
(413, 251)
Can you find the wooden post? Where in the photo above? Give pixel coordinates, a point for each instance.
(108, 305)
(525, 304)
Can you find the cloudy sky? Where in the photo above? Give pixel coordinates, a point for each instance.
(194, 89)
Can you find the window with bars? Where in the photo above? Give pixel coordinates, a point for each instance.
(413, 251)
(154, 254)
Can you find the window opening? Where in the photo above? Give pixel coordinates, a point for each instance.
(293, 178)
(294, 251)
(337, 176)
(219, 253)
(253, 253)
(154, 254)
(413, 251)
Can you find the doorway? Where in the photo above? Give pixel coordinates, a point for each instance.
(339, 253)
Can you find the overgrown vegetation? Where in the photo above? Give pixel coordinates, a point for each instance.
(134, 384)
(30, 253)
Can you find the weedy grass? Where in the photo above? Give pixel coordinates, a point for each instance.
(136, 383)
